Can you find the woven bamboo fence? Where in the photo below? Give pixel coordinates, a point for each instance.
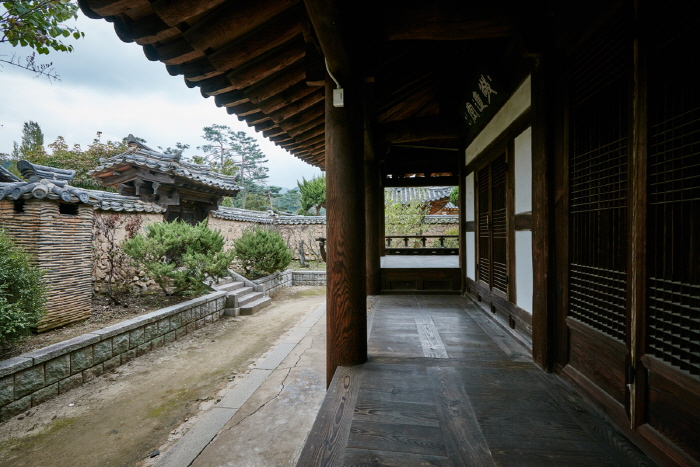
(61, 244)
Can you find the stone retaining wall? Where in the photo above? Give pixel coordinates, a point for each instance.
(273, 282)
(37, 376)
(309, 278)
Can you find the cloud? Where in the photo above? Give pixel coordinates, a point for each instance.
(109, 86)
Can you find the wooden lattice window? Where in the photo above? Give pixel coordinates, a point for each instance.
(599, 127)
(673, 254)
(492, 226)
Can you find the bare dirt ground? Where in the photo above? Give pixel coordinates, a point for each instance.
(104, 313)
(119, 418)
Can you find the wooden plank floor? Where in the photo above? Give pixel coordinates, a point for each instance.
(442, 387)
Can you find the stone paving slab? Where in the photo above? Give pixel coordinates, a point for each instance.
(192, 444)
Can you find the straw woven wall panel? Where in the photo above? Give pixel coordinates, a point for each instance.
(61, 245)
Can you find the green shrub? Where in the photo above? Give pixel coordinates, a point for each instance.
(449, 242)
(22, 292)
(179, 257)
(261, 252)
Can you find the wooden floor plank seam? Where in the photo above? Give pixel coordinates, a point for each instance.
(430, 340)
(464, 441)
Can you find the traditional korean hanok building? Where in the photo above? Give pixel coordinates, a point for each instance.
(52, 221)
(188, 191)
(572, 129)
(436, 199)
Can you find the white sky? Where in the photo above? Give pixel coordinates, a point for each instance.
(110, 86)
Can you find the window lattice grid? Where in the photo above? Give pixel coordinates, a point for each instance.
(600, 80)
(499, 224)
(484, 261)
(673, 255)
(597, 297)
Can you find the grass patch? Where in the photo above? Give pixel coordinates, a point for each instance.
(23, 444)
(312, 266)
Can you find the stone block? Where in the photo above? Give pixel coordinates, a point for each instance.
(143, 349)
(112, 363)
(7, 390)
(80, 360)
(14, 408)
(70, 383)
(42, 395)
(209, 319)
(136, 337)
(128, 356)
(157, 342)
(163, 326)
(92, 373)
(57, 369)
(120, 343)
(200, 323)
(169, 337)
(191, 327)
(62, 348)
(150, 331)
(102, 351)
(29, 380)
(14, 364)
(175, 321)
(179, 332)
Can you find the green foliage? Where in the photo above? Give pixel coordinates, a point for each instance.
(261, 252)
(22, 292)
(290, 201)
(454, 196)
(404, 219)
(449, 242)
(64, 157)
(313, 194)
(39, 25)
(231, 152)
(179, 257)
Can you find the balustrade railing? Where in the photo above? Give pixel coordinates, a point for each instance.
(418, 244)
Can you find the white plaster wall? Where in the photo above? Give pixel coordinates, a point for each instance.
(518, 103)
(523, 270)
(471, 255)
(523, 171)
(470, 198)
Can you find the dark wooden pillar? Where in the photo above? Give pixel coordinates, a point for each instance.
(346, 296)
(544, 117)
(375, 236)
(462, 205)
(346, 289)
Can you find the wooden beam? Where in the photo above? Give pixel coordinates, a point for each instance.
(313, 132)
(274, 132)
(297, 107)
(267, 64)
(173, 53)
(112, 7)
(306, 126)
(232, 20)
(173, 12)
(148, 30)
(215, 85)
(253, 119)
(374, 238)
(263, 39)
(194, 70)
(420, 129)
(285, 98)
(245, 108)
(230, 98)
(445, 20)
(276, 83)
(544, 118)
(452, 180)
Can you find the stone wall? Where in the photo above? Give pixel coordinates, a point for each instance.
(37, 376)
(134, 280)
(292, 234)
(309, 278)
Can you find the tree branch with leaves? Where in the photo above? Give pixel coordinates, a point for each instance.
(39, 25)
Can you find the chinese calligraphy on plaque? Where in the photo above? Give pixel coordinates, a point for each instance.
(480, 100)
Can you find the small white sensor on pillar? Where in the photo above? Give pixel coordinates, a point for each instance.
(338, 98)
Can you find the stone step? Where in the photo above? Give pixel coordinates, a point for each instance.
(234, 296)
(249, 297)
(229, 286)
(255, 306)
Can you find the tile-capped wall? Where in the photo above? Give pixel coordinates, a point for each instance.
(37, 376)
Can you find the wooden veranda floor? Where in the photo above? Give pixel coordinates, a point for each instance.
(444, 386)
